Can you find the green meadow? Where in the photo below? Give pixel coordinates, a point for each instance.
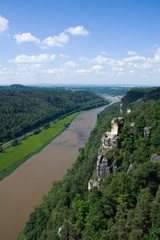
(14, 156)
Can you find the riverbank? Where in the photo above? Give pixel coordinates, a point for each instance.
(14, 156)
(22, 190)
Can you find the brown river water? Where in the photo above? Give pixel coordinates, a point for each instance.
(25, 187)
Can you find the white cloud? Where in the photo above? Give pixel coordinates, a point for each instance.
(132, 53)
(115, 63)
(63, 55)
(53, 71)
(5, 71)
(70, 64)
(82, 71)
(142, 66)
(33, 59)
(156, 58)
(100, 59)
(83, 58)
(51, 41)
(121, 74)
(94, 69)
(49, 71)
(29, 67)
(79, 30)
(131, 72)
(97, 67)
(56, 41)
(117, 68)
(3, 24)
(26, 37)
(134, 58)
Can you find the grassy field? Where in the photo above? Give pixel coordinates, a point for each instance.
(12, 157)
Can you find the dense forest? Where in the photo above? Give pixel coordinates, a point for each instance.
(126, 206)
(23, 109)
(141, 95)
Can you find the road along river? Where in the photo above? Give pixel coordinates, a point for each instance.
(24, 188)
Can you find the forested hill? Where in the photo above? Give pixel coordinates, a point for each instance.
(124, 205)
(114, 91)
(141, 95)
(22, 110)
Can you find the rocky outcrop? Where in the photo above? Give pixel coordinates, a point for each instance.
(130, 167)
(106, 166)
(147, 131)
(93, 183)
(110, 139)
(155, 158)
(103, 167)
(132, 129)
(59, 231)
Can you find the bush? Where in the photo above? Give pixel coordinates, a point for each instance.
(46, 125)
(15, 142)
(36, 131)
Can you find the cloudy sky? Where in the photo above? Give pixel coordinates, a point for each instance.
(80, 42)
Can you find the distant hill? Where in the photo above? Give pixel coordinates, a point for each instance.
(23, 109)
(141, 94)
(18, 86)
(114, 91)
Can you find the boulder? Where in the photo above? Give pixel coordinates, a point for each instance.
(155, 158)
(93, 183)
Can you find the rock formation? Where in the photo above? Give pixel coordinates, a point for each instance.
(130, 167)
(147, 131)
(109, 141)
(155, 158)
(132, 129)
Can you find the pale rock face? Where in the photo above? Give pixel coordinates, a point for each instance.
(114, 127)
(109, 141)
(93, 183)
(147, 131)
(59, 231)
(130, 167)
(132, 129)
(105, 166)
(155, 158)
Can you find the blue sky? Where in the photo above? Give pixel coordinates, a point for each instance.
(80, 42)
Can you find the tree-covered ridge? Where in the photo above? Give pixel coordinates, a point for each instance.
(114, 91)
(23, 110)
(127, 205)
(142, 94)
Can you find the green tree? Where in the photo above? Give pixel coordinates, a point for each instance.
(155, 217)
(141, 221)
(15, 142)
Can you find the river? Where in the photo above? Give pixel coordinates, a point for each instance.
(25, 187)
